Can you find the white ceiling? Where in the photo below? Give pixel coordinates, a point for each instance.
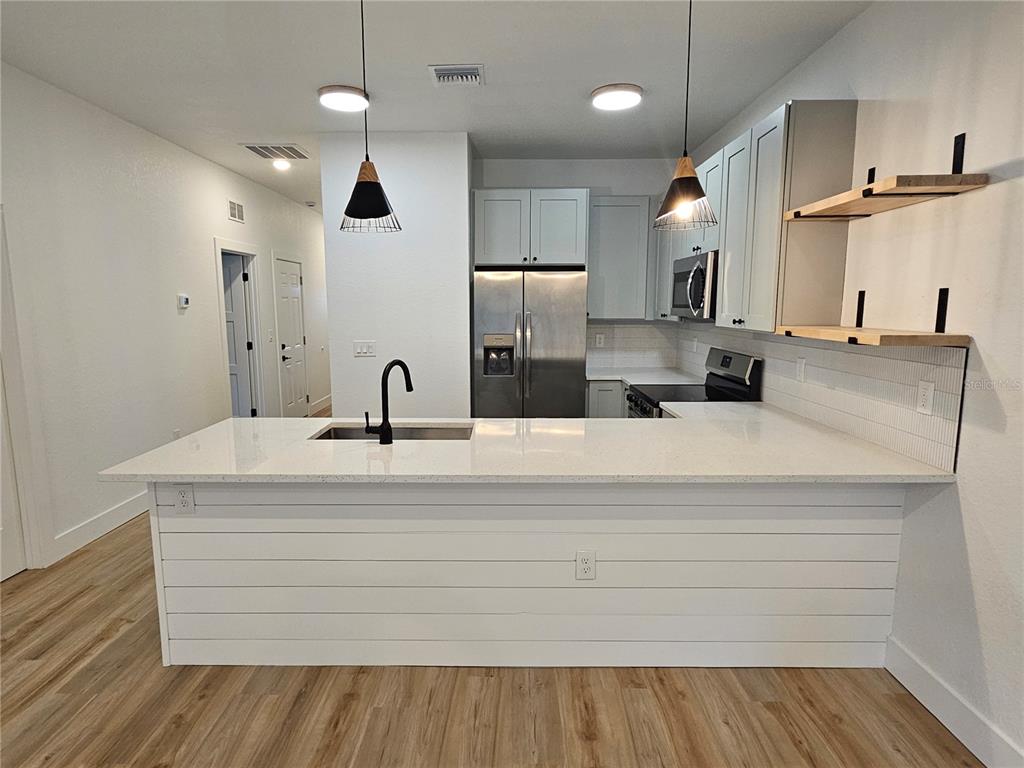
(209, 75)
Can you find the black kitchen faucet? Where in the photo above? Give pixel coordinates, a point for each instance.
(384, 430)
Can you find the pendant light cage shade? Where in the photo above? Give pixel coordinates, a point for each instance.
(368, 209)
(686, 206)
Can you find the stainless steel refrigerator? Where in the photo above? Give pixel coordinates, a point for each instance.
(529, 343)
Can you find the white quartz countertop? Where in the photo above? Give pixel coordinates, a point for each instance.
(640, 376)
(709, 443)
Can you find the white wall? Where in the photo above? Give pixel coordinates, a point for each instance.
(924, 72)
(408, 291)
(602, 177)
(105, 224)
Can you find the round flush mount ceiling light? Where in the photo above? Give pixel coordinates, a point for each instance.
(282, 165)
(616, 96)
(343, 98)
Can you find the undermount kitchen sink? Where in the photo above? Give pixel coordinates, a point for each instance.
(425, 432)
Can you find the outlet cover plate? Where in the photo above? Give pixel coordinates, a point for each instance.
(925, 397)
(586, 565)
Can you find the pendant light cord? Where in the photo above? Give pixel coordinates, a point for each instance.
(362, 43)
(686, 107)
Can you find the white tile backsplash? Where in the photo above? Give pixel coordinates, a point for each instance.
(633, 345)
(869, 392)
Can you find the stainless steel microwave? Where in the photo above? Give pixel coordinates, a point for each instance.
(693, 286)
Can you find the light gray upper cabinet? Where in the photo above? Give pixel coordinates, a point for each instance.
(617, 262)
(710, 174)
(501, 219)
(530, 226)
(558, 226)
(764, 217)
(768, 273)
(732, 249)
(668, 246)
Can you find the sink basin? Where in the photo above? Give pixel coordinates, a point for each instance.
(425, 432)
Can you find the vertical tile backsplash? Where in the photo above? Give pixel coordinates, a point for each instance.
(869, 392)
(633, 345)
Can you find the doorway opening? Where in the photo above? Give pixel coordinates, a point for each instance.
(240, 324)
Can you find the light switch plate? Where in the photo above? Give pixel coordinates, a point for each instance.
(364, 349)
(598, 340)
(925, 397)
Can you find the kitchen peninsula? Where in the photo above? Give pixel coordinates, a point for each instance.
(737, 534)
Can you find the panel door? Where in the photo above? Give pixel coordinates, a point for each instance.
(732, 252)
(501, 226)
(558, 226)
(764, 220)
(710, 173)
(606, 400)
(238, 334)
(12, 536)
(291, 334)
(555, 344)
(617, 262)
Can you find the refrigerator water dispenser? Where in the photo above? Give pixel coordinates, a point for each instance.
(499, 354)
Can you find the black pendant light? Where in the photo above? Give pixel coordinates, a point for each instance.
(368, 209)
(685, 206)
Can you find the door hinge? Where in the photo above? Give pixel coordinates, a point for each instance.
(303, 339)
(248, 345)
(245, 277)
(252, 412)
(307, 398)
(300, 279)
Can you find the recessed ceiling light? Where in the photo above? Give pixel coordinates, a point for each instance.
(282, 165)
(616, 96)
(343, 98)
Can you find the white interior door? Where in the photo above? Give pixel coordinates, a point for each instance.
(291, 333)
(239, 334)
(12, 540)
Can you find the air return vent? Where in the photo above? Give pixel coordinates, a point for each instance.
(278, 151)
(236, 212)
(457, 74)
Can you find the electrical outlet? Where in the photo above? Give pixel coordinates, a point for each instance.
(801, 369)
(691, 345)
(586, 565)
(925, 397)
(364, 349)
(184, 500)
(599, 340)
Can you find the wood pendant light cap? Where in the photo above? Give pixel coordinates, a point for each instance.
(684, 168)
(367, 172)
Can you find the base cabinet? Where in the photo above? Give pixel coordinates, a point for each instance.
(606, 400)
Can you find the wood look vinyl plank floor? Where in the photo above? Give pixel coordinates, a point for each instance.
(82, 686)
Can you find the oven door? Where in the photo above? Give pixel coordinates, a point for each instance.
(693, 287)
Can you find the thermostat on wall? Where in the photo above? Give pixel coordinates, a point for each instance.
(183, 301)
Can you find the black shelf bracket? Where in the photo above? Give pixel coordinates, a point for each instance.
(860, 308)
(940, 310)
(959, 142)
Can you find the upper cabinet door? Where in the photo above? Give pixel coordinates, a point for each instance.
(617, 262)
(501, 220)
(764, 220)
(732, 251)
(710, 174)
(558, 226)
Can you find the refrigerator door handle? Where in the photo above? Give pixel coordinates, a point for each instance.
(519, 355)
(529, 344)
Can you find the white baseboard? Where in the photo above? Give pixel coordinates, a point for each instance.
(89, 530)
(989, 744)
(319, 405)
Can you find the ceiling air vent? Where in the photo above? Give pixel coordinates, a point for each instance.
(457, 74)
(236, 212)
(278, 151)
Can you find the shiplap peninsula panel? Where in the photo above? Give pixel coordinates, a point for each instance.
(792, 575)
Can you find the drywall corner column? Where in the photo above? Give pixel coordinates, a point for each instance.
(406, 291)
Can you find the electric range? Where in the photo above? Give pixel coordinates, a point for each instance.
(731, 377)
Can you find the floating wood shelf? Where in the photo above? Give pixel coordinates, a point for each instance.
(891, 192)
(874, 337)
